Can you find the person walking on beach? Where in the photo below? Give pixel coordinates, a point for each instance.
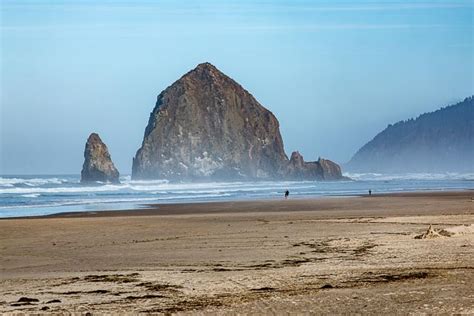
(286, 194)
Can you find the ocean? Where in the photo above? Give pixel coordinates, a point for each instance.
(50, 194)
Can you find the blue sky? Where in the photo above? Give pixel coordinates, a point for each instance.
(335, 73)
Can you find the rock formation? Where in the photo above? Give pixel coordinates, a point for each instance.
(98, 165)
(206, 126)
(330, 170)
(323, 169)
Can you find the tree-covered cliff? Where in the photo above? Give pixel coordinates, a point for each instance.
(439, 141)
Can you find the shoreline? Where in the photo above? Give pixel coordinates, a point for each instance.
(325, 256)
(303, 203)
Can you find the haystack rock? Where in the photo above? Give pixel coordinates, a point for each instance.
(205, 126)
(98, 165)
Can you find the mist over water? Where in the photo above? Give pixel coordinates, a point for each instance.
(42, 195)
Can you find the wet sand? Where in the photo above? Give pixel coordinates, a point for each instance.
(331, 255)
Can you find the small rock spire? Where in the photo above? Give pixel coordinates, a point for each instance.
(98, 165)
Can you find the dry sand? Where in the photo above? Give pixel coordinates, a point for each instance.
(323, 256)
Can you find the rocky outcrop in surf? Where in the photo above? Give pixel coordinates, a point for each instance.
(98, 165)
(330, 170)
(205, 126)
(323, 169)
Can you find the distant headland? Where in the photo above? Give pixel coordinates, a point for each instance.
(440, 141)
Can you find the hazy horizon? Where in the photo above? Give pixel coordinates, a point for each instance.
(334, 73)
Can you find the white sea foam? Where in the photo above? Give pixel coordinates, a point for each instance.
(117, 200)
(410, 176)
(151, 187)
(9, 182)
(51, 186)
(33, 195)
(83, 202)
(44, 195)
(77, 189)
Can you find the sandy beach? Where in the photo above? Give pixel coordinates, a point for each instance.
(323, 256)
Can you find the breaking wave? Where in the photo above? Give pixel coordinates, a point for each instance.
(40, 195)
(12, 182)
(410, 176)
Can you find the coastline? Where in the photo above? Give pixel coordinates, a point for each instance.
(323, 256)
(317, 204)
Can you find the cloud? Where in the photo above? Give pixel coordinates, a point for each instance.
(380, 6)
(122, 16)
(210, 6)
(322, 27)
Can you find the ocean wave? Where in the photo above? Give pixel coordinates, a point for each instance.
(56, 193)
(33, 195)
(159, 186)
(74, 189)
(11, 182)
(81, 202)
(410, 176)
(57, 186)
(137, 200)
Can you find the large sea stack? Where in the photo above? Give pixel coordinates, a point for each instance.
(205, 126)
(98, 165)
